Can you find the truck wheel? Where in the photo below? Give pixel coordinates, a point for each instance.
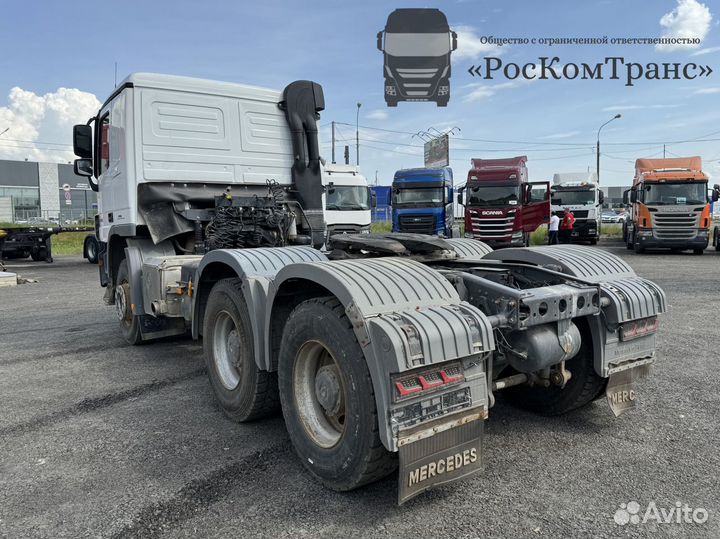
(328, 399)
(698, 251)
(639, 249)
(244, 391)
(583, 387)
(40, 254)
(129, 323)
(593, 241)
(91, 249)
(716, 239)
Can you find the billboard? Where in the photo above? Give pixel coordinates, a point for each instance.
(437, 152)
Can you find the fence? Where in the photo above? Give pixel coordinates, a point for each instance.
(68, 216)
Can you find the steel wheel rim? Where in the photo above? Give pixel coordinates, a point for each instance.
(314, 367)
(91, 250)
(226, 350)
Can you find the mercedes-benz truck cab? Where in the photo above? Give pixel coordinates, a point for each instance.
(580, 193)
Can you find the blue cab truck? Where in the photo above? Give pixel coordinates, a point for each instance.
(422, 202)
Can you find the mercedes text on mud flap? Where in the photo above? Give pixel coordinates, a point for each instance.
(416, 56)
(384, 353)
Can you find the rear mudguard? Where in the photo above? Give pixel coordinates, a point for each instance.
(405, 316)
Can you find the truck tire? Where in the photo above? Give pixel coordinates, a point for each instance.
(91, 249)
(639, 249)
(716, 239)
(328, 399)
(583, 387)
(40, 254)
(244, 391)
(593, 241)
(129, 322)
(698, 251)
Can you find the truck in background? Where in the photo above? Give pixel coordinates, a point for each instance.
(383, 203)
(422, 202)
(348, 200)
(502, 208)
(381, 353)
(668, 205)
(416, 56)
(579, 191)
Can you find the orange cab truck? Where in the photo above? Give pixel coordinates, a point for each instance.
(669, 205)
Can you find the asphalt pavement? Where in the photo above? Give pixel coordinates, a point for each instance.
(102, 439)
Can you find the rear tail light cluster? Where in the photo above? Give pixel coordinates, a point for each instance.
(411, 385)
(638, 328)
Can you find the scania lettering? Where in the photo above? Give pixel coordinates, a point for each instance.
(211, 227)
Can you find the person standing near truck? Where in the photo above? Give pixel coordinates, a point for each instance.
(553, 229)
(566, 227)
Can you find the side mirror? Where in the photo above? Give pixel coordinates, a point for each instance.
(454, 40)
(626, 197)
(460, 198)
(82, 141)
(84, 168)
(373, 200)
(715, 195)
(601, 197)
(379, 40)
(633, 196)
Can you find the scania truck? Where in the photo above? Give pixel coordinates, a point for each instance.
(669, 205)
(502, 208)
(422, 202)
(579, 192)
(385, 352)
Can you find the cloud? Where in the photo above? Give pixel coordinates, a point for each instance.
(705, 91)
(480, 91)
(567, 134)
(690, 19)
(378, 114)
(35, 120)
(705, 51)
(469, 45)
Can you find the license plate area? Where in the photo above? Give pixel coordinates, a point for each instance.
(447, 456)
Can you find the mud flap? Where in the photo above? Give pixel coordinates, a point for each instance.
(620, 392)
(428, 459)
(155, 328)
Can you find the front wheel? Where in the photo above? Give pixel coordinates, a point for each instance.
(91, 249)
(243, 390)
(328, 399)
(698, 251)
(639, 249)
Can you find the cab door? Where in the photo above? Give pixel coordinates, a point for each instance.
(536, 205)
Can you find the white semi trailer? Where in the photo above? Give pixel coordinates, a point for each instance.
(384, 352)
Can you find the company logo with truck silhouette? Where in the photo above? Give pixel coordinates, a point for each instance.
(416, 45)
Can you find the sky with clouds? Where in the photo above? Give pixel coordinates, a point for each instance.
(58, 64)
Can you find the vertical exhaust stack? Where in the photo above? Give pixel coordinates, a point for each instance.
(302, 102)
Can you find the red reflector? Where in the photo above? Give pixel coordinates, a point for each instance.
(450, 378)
(407, 390)
(429, 384)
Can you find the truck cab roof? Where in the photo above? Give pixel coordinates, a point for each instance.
(423, 174)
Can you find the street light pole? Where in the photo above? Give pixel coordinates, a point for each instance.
(597, 147)
(357, 135)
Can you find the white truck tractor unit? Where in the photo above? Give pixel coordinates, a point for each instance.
(348, 200)
(385, 352)
(580, 192)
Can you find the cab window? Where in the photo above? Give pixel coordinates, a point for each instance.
(104, 145)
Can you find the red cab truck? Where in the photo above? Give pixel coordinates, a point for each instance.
(502, 208)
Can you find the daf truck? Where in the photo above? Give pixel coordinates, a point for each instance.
(416, 44)
(579, 192)
(669, 205)
(422, 202)
(502, 208)
(385, 353)
(348, 200)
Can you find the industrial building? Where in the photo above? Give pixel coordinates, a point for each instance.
(33, 192)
